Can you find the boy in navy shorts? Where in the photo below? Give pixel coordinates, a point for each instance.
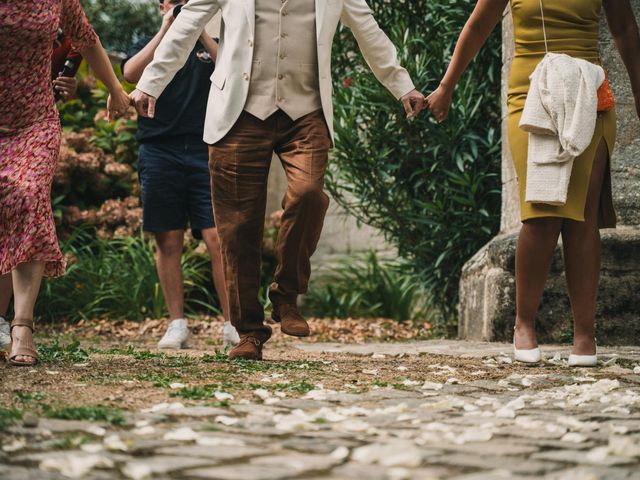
(174, 172)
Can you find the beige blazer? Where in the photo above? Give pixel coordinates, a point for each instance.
(230, 81)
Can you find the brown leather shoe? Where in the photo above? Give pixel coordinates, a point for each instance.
(291, 322)
(249, 348)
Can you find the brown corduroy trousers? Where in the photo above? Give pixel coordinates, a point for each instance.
(239, 166)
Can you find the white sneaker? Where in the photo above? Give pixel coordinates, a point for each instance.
(230, 335)
(176, 336)
(5, 333)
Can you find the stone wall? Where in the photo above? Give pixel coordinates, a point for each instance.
(487, 288)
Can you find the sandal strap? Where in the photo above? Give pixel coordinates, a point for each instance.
(22, 322)
(26, 347)
(23, 351)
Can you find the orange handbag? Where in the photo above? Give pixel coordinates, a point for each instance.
(606, 101)
(605, 95)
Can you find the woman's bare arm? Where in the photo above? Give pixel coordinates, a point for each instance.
(475, 33)
(97, 58)
(624, 28)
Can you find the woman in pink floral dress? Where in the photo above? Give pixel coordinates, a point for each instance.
(29, 146)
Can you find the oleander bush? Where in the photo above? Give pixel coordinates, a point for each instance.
(432, 189)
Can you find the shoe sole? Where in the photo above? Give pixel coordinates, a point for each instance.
(291, 334)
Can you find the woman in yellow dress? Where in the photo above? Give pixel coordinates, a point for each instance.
(572, 27)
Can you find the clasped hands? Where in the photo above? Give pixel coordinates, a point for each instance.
(438, 102)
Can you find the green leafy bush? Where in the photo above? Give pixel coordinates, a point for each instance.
(432, 189)
(367, 287)
(120, 23)
(117, 278)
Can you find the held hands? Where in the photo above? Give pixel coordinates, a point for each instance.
(414, 103)
(439, 102)
(145, 104)
(117, 104)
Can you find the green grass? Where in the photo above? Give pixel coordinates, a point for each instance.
(203, 392)
(70, 353)
(88, 413)
(161, 380)
(131, 351)
(27, 397)
(9, 416)
(296, 387)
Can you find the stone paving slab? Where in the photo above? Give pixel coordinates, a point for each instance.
(516, 424)
(457, 348)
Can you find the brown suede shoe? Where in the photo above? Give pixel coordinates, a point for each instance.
(249, 348)
(291, 322)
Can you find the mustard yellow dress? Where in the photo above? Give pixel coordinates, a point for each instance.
(572, 28)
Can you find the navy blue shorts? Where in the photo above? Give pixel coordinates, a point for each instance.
(176, 186)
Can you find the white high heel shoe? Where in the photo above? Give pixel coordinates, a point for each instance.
(584, 360)
(533, 355)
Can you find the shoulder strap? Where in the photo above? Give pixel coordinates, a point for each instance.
(544, 29)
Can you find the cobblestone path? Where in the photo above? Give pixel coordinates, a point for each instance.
(463, 422)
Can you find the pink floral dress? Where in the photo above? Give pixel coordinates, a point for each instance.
(30, 128)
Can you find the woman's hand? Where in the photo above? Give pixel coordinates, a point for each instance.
(66, 87)
(439, 102)
(117, 104)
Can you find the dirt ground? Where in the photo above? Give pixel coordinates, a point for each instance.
(117, 366)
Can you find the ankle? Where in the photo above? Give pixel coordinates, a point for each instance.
(584, 345)
(525, 335)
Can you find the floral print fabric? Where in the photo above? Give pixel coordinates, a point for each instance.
(30, 128)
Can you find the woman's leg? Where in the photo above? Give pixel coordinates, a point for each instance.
(6, 291)
(582, 252)
(534, 253)
(26, 285)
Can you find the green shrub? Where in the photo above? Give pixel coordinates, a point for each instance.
(120, 23)
(117, 278)
(432, 189)
(367, 287)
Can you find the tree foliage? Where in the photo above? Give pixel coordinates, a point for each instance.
(432, 189)
(120, 23)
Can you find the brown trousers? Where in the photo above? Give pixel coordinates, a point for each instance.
(239, 166)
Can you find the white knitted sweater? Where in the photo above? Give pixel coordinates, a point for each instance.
(560, 115)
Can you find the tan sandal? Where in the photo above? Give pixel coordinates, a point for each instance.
(26, 348)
